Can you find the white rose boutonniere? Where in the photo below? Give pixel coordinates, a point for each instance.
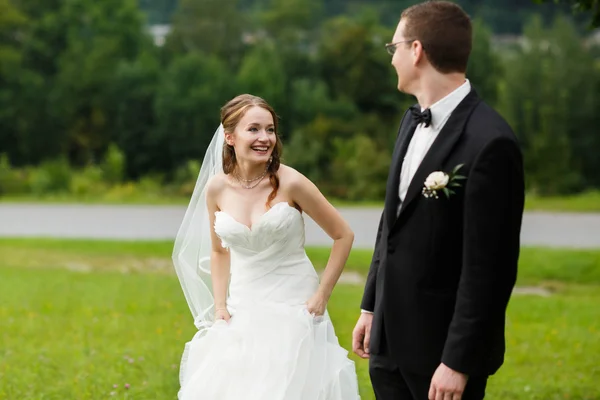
(440, 180)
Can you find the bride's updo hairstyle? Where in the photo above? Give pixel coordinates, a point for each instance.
(231, 114)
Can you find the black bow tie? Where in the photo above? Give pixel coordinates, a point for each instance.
(421, 116)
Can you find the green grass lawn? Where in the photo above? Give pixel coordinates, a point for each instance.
(584, 202)
(538, 266)
(79, 317)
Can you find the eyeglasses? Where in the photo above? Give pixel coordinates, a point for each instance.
(391, 47)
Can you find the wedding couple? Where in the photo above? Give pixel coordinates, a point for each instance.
(445, 260)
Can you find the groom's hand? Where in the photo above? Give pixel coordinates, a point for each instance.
(361, 336)
(447, 384)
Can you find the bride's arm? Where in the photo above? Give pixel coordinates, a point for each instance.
(314, 204)
(219, 257)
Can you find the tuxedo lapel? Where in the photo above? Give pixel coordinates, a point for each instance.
(440, 148)
(407, 129)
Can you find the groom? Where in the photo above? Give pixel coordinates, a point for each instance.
(445, 261)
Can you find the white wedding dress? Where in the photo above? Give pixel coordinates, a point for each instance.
(272, 348)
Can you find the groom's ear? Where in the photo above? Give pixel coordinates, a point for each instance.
(418, 52)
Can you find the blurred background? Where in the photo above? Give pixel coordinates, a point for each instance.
(116, 100)
(107, 107)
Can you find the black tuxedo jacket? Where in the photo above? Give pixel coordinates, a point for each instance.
(443, 269)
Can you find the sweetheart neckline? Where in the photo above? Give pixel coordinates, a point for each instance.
(260, 219)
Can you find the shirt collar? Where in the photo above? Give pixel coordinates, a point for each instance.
(441, 110)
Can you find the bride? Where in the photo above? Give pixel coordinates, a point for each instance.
(263, 329)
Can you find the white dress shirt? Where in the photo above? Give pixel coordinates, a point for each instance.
(424, 136)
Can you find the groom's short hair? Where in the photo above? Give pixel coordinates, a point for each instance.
(445, 32)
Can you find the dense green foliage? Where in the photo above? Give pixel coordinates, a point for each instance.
(499, 14)
(591, 7)
(83, 84)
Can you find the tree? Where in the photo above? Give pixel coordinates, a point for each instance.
(68, 52)
(291, 28)
(38, 130)
(355, 65)
(99, 36)
(12, 22)
(549, 99)
(213, 27)
(158, 11)
(360, 168)
(484, 69)
(189, 98)
(20, 89)
(264, 79)
(132, 98)
(12, 25)
(589, 6)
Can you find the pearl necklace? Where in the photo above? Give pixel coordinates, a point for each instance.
(243, 182)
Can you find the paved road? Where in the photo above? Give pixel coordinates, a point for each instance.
(161, 222)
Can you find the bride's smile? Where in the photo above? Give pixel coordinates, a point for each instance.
(253, 140)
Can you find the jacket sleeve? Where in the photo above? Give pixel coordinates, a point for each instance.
(368, 300)
(493, 209)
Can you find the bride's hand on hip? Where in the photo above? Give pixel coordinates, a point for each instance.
(223, 314)
(317, 304)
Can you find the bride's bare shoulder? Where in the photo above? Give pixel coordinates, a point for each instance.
(216, 184)
(291, 178)
(300, 190)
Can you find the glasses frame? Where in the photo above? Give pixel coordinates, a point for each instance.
(391, 47)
